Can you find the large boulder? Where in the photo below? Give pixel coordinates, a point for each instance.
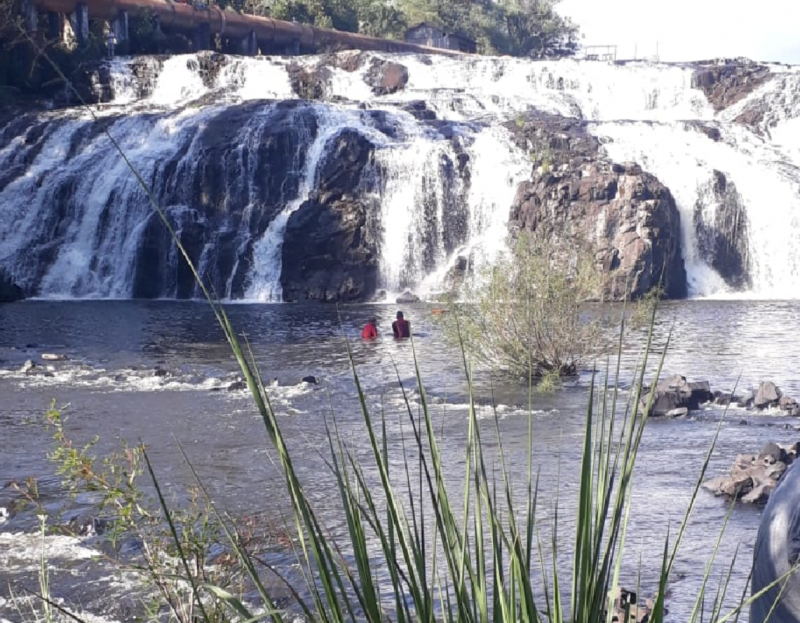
(578, 198)
(676, 396)
(310, 82)
(729, 81)
(10, 292)
(721, 224)
(767, 395)
(330, 248)
(386, 77)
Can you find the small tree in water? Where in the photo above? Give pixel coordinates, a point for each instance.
(524, 313)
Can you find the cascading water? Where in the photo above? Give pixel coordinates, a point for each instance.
(265, 277)
(232, 159)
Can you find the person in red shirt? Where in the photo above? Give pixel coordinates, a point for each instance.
(401, 327)
(370, 331)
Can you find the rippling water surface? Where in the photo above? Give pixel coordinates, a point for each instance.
(109, 388)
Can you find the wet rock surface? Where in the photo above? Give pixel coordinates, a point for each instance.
(729, 81)
(330, 249)
(10, 292)
(721, 224)
(753, 477)
(577, 196)
(675, 397)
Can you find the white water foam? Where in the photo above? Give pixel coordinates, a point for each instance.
(685, 160)
(178, 82)
(641, 107)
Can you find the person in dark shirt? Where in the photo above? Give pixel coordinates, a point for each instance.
(401, 327)
(370, 331)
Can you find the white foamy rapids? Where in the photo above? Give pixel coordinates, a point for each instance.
(442, 190)
(685, 159)
(179, 81)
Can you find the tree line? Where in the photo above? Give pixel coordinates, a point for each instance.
(529, 28)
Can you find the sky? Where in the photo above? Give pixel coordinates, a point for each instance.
(684, 30)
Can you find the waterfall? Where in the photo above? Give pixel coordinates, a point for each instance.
(265, 278)
(234, 160)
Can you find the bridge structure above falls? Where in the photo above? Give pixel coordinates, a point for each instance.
(245, 34)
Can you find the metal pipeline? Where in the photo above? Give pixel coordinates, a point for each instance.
(179, 16)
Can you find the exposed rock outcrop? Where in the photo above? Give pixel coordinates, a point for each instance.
(217, 217)
(330, 249)
(10, 292)
(310, 83)
(675, 397)
(753, 477)
(720, 220)
(577, 196)
(727, 82)
(386, 77)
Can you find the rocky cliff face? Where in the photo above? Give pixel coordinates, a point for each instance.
(577, 197)
(330, 249)
(729, 82)
(720, 221)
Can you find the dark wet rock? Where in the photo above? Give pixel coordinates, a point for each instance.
(310, 379)
(729, 81)
(724, 398)
(676, 393)
(310, 83)
(419, 110)
(578, 198)
(330, 249)
(87, 526)
(386, 77)
(746, 400)
(767, 395)
(10, 292)
(710, 131)
(406, 298)
(28, 368)
(237, 386)
(161, 372)
(721, 224)
(753, 477)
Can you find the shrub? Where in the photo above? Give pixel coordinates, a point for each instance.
(524, 314)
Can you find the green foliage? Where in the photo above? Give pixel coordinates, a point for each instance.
(524, 313)
(176, 546)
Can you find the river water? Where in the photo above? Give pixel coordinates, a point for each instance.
(108, 387)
